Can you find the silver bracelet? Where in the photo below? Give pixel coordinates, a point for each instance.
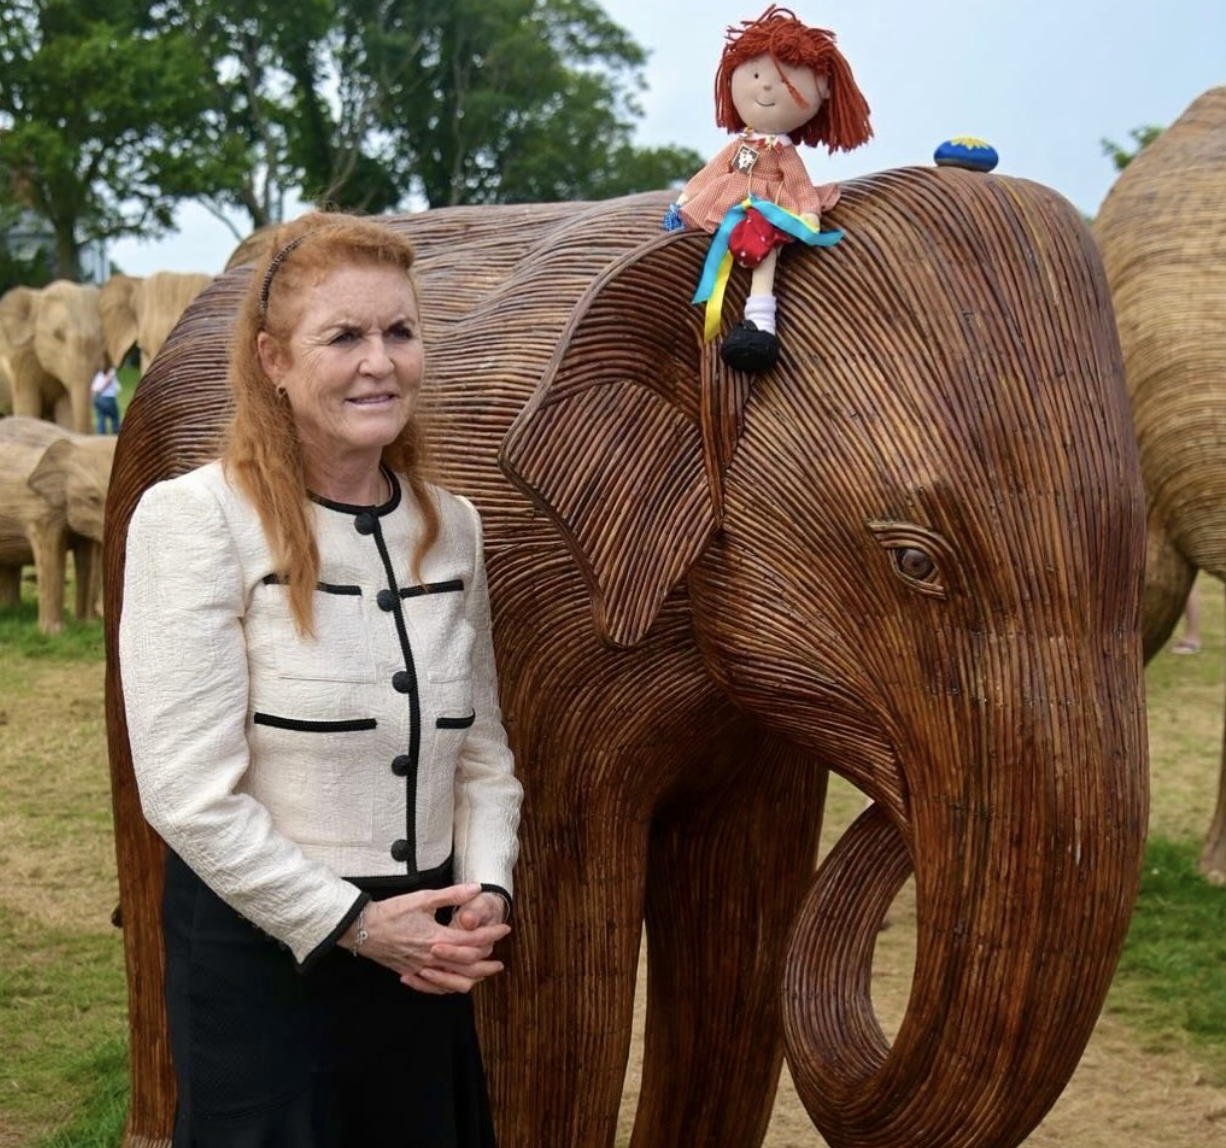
(360, 935)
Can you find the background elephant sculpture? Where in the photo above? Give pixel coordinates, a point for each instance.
(142, 312)
(1162, 233)
(53, 486)
(6, 382)
(911, 553)
(54, 337)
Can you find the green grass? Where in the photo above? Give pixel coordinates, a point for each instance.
(128, 378)
(63, 1027)
(102, 1078)
(20, 637)
(1172, 975)
(61, 1017)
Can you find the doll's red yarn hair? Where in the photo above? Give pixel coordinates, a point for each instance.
(842, 121)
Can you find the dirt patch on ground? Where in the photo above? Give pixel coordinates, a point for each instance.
(57, 855)
(1123, 1094)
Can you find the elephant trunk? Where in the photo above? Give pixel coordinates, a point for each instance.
(1023, 899)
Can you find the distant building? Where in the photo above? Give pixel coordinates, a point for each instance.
(29, 235)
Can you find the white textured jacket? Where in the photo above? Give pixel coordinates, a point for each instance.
(283, 769)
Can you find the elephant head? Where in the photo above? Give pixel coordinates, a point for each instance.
(73, 475)
(915, 549)
(142, 312)
(55, 346)
(1162, 233)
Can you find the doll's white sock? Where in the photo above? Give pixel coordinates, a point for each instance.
(760, 311)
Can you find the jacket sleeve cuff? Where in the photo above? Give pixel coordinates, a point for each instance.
(329, 942)
(499, 891)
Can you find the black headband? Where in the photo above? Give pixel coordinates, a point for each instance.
(276, 262)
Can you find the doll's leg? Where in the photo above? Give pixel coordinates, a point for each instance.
(752, 344)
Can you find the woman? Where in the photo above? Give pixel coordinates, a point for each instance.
(309, 683)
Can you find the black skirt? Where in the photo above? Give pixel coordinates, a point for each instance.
(340, 1057)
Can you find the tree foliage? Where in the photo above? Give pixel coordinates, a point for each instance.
(1121, 156)
(112, 110)
(100, 118)
(369, 104)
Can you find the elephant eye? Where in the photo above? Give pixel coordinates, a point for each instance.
(913, 563)
(918, 555)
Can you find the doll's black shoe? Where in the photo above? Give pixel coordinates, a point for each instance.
(748, 349)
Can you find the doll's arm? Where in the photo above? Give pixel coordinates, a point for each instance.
(716, 167)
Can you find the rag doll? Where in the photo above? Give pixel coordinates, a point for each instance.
(780, 83)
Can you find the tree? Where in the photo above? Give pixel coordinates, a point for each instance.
(100, 116)
(1121, 156)
(524, 100)
(365, 104)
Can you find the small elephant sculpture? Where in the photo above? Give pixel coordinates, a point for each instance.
(143, 311)
(54, 345)
(53, 486)
(912, 553)
(1162, 232)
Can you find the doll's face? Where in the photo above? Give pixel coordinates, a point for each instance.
(762, 99)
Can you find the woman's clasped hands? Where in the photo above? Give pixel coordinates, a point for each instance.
(403, 934)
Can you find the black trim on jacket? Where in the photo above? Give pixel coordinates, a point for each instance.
(351, 725)
(414, 699)
(322, 587)
(383, 508)
(451, 586)
(329, 942)
(456, 722)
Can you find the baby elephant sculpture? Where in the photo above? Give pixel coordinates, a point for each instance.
(52, 495)
(912, 553)
(143, 311)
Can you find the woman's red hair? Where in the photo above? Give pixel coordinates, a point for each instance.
(841, 123)
(262, 452)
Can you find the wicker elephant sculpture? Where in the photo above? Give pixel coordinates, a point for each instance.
(911, 553)
(52, 340)
(1162, 233)
(53, 487)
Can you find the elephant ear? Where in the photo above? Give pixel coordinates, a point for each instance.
(49, 478)
(626, 439)
(18, 313)
(117, 303)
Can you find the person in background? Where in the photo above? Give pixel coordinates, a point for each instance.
(105, 388)
(1190, 642)
(309, 681)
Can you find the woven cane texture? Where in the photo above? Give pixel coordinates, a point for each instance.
(1162, 231)
(911, 553)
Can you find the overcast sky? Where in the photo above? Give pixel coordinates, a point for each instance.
(1042, 81)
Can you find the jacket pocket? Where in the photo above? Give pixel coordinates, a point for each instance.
(316, 778)
(340, 651)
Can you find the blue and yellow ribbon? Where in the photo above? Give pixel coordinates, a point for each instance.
(718, 267)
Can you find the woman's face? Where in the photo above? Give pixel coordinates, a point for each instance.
(762, 99)
(353, 364)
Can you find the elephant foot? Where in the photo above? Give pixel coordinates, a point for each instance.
(748, 349)
(1213, 862)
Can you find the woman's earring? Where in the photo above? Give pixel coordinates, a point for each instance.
(282, 393)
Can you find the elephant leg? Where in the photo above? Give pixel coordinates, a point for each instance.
(733, 870)
(82, 566)
(556, 1025)
(10, 587)
(1213, 856)
(50, 554)
(87, 563)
